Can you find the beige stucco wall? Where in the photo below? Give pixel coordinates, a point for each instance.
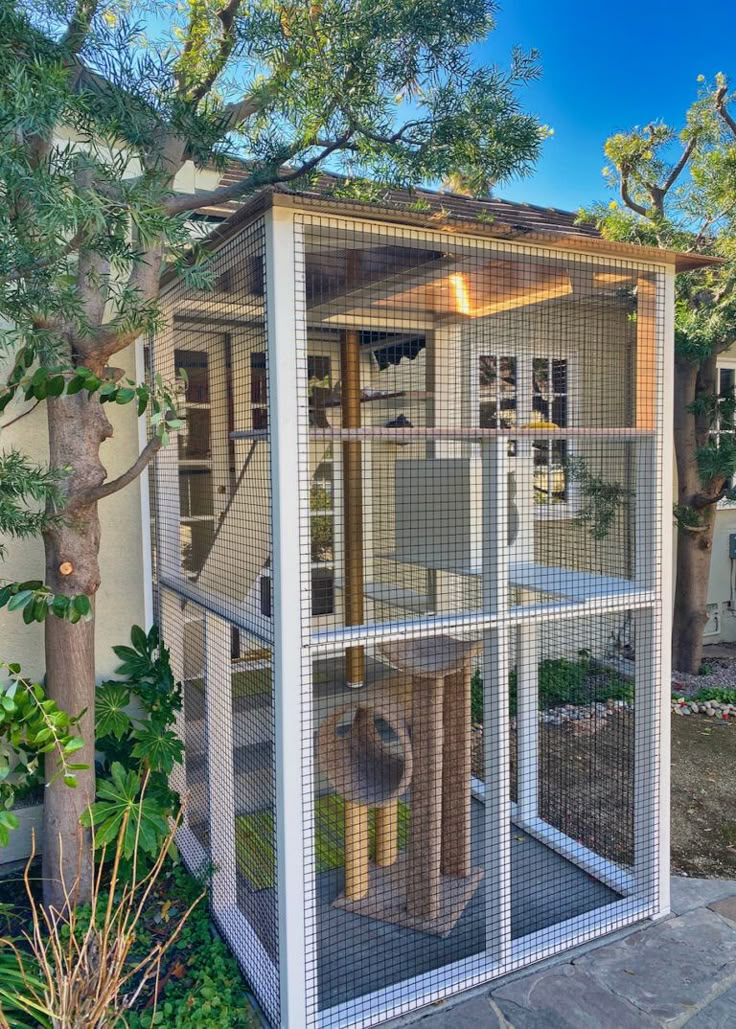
(121, 599)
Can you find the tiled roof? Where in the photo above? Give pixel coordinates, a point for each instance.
(518, 217)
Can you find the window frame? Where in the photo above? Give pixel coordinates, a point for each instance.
(725, 363)
(524, 355)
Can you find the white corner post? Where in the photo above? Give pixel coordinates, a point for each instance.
(291, 665)
(667, 583)
(218, 697)
(653, 625)
(145, 498)
(496, 667)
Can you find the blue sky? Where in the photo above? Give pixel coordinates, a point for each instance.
(607, 67)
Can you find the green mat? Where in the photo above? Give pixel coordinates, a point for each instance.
(255, 838)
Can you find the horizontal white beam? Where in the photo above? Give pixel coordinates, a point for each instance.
(465, 623)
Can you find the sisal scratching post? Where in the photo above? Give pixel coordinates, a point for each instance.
(456, 774)
(425, 839)
(352, 474)
(367, 773)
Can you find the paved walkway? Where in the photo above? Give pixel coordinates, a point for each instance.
(676, 972)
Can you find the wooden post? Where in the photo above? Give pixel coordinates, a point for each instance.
(425, 838)
(456, 773)
(357, 843)
(352, 501)
(387, 834)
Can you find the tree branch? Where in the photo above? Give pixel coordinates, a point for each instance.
(79, 26)
(227, 43)
(194, 201)
(106, 489)
(723, 110)
(679, 167)
(628, 199)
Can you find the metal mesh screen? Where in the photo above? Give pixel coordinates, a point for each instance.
(214, 545)
(444, 654)
(481, 562)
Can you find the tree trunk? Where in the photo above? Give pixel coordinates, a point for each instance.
(695, 544)
(691, 594)
(77, 428)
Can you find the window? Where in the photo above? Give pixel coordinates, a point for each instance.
(529, 391)
(258, 391)
(321, 501)
(724, 430)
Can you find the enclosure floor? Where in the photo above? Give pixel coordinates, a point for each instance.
(358, 955)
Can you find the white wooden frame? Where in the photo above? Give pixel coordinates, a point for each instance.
(287, 371)
(298, 640)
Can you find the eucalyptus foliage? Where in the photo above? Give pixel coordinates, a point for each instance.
(677, 189)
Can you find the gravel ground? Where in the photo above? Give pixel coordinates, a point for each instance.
(720, 672)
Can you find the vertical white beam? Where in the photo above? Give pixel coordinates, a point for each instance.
(166, 471)
(527, 721)
(666, 486)
(220, 761)
(654, 626)
(145, 499)
(293, 734)
(496, 667)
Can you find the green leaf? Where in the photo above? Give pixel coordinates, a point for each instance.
(139, 639)
(111, 718)
(20, 600)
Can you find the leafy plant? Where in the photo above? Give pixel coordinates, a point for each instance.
(720, 694)
(18, 1007)
(31, 725)
(90, 972)
(561, 681)
(122, 807)
(136, 741)
(204, 989)
(600, 500)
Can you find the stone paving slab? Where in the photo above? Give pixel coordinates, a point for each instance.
(568, 996)
(667, 969)
(686, 894)
(719, 1014)
(675, 973)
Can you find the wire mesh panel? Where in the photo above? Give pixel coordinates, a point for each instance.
(213, 511)
(481, 466)
(410, 547)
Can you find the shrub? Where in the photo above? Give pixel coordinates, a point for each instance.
(720, 694)
(562, 681)
(31, 726)
(204, 989)
(134, 722)
(89, 964)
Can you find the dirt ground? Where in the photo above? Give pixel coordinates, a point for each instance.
(587, 783)
(703, 797)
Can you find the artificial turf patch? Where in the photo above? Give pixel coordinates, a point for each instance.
(255, 840)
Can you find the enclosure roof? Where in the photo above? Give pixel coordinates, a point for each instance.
(448, 212)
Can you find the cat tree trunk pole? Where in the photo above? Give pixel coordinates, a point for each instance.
(352, 477)
(356, 816)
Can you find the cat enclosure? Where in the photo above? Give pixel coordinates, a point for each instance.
(412, 552)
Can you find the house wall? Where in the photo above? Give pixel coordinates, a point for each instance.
(121, 601)
(722, 628)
